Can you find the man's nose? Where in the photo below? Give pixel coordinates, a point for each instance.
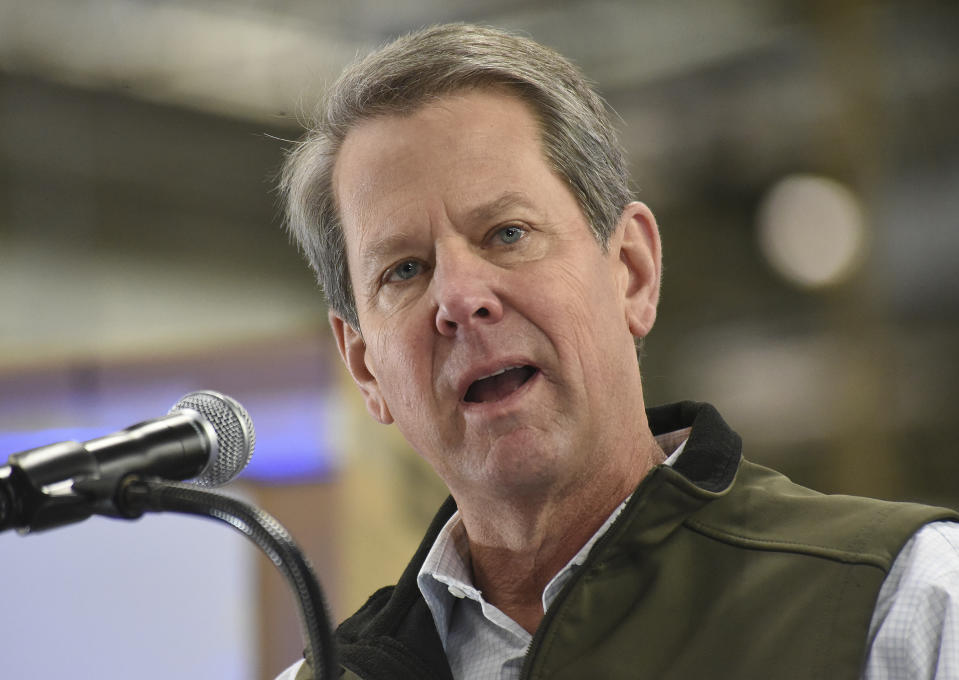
(463, 288)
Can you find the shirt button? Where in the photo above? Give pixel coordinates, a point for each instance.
(457, 592)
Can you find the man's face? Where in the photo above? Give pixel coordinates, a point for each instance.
(496, 332)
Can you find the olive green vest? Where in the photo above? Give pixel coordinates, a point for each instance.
(765, 579)
(717, 568)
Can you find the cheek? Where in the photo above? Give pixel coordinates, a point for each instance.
(581, 314)
(401, 363)
(585, 304)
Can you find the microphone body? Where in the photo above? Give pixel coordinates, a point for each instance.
(207, 437)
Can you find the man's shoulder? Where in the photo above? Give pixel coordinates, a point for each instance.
(752, 506)
(369, 616)
(392, 635)
(766, 510)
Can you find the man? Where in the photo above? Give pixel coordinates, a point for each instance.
(466, 206)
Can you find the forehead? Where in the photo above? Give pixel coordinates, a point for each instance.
(450, 145)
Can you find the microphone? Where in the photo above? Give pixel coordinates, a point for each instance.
(207, 437)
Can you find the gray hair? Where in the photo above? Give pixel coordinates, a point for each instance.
(578, 140)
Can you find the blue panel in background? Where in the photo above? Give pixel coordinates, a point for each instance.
(15, 442)
(295, 437)
(293, 442)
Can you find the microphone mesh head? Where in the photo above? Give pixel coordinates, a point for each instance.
(235, 437)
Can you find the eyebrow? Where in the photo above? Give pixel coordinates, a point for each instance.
(384, 248)
(494, 208)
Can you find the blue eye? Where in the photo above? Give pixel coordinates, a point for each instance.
(510, 234)
(405, 270)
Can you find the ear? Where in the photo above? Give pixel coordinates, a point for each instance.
(353, 351)
(640, 253)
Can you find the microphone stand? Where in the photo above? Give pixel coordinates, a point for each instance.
(137, 495)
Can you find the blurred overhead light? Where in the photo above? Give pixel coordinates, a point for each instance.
(811, 230)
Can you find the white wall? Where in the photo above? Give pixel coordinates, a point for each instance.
(158, 598)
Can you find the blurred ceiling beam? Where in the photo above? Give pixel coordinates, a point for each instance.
(235, 61)
(241, 61)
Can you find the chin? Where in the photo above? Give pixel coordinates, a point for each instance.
(526, 467)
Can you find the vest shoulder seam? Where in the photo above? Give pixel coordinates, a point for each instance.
(779, 545)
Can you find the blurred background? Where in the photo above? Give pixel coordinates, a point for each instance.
(802, 159)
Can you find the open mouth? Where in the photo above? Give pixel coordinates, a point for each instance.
(499, 385)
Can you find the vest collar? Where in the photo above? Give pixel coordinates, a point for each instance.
(704, 471)
(713, 452)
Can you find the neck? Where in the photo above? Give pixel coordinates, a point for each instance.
(517, 545)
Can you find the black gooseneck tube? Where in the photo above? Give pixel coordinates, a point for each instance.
(139, 495)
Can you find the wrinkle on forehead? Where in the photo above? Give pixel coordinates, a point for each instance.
(442, 120)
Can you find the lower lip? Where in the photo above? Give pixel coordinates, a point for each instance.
(490, 408)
